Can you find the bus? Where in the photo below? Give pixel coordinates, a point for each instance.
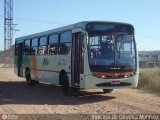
(85, 55)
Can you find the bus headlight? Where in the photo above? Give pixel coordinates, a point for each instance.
(102, 76)
(126, 76)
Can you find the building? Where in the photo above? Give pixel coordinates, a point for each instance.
(149, 58)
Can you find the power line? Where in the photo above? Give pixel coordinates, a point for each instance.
(147, 36)
(39, 21)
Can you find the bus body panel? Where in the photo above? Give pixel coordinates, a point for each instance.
(64, 63)
(45, 69)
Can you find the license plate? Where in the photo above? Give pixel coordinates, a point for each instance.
(115, 83)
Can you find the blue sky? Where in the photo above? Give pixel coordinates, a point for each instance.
(34, 16)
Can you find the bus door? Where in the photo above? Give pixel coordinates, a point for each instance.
(76, 59)
(20, 59)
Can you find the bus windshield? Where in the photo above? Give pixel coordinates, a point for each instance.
(111, 48)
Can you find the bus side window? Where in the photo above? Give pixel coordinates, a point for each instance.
(65, 42)
(26, 47)
(34, 46)
(42, 46)
(53, 44)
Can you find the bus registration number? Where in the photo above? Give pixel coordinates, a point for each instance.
(115, 83)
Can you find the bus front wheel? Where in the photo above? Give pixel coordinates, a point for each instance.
(67, 90)
(107, 90)
(28, 78)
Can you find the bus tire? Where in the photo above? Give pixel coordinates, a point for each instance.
(107, 90)
(67, 90)
(28, 78)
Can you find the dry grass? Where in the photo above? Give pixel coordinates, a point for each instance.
(149, 79)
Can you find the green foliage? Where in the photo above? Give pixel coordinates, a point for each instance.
(149, 79)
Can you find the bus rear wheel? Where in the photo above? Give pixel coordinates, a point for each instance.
(107, 90)
(28, 78)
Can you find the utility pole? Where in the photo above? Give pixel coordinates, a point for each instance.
(8, 23)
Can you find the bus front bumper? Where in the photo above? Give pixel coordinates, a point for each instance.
(92, 82)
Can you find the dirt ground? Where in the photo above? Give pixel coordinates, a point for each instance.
(16, 97)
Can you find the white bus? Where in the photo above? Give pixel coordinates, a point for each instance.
(85, 55)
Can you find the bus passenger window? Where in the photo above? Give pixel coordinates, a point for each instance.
(42, 46)
(26, 47)
(65, 42)
(53, 42)
(34, 46)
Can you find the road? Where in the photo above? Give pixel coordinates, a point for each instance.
(16, 97)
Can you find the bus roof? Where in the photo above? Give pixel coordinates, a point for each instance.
(65, 28)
